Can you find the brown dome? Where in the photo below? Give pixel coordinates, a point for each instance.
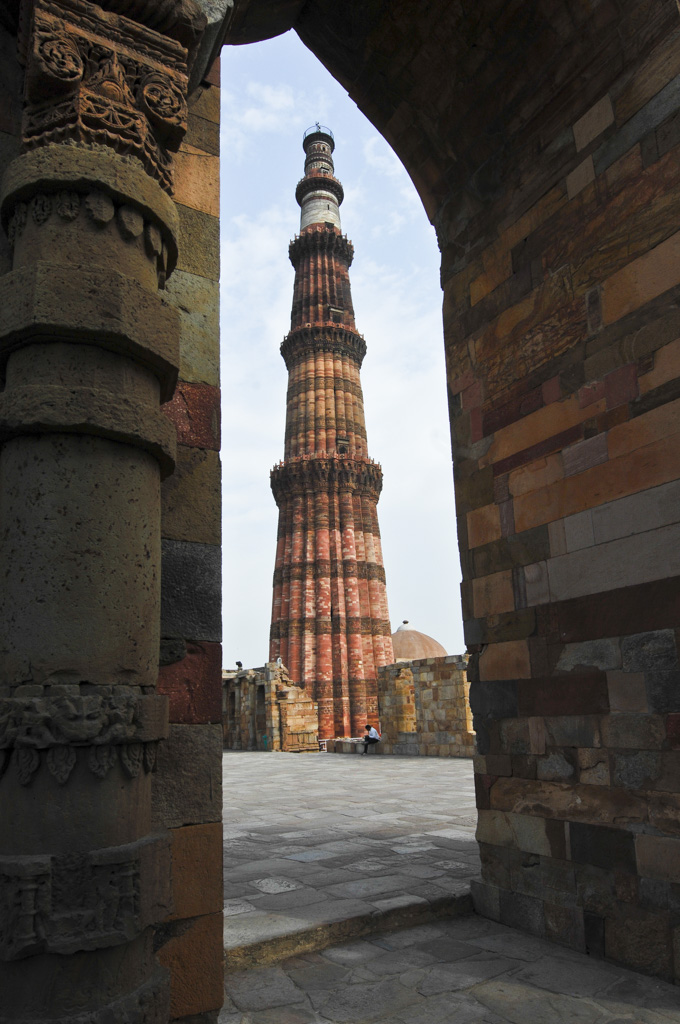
(410, 645)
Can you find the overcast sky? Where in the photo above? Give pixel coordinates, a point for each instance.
(272, 92)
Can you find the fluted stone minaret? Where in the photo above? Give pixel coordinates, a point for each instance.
(330, 623)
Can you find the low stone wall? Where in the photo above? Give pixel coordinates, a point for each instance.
(425, 708)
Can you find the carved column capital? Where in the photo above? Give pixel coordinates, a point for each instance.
(119, 80)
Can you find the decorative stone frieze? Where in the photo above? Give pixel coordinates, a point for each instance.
(306, 473)
(303, 341)
(321, 241)
(50, 728)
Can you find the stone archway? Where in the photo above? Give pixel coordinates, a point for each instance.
(542, 138)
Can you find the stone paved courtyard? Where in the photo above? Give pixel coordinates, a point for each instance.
(318, 843)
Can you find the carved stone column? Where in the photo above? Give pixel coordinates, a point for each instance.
(88, 351)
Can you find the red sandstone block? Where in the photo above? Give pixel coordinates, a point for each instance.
(196, 870)
(621, 385)
(590, 393)
(551, 390)
(580, 694)
(213, 74)
(463, 382)
(584, 455)
(536, 451)
(483, 784)
(472, 396)
(194, 685)
(476, 429)
(673, 730)
(194, 957)
(606, 420)
(531, 402)
(195, 411)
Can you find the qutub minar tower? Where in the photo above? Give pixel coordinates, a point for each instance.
(330, 623)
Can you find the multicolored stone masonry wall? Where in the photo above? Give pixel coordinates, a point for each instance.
(188, 789)
(263, 710)
(563, 349)
(425, 709)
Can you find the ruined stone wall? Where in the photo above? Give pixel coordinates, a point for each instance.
(263, 710)
(425, 708)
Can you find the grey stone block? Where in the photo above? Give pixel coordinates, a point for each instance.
(187, 786)
(524, 912)
(485, 899)
(663, 691)
(495, 699)
(573, 731)
(637, 771)
(602, 847)
(648, 652)
(664, 103)
(191, 591)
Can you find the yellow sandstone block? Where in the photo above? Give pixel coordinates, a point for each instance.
(642, 280)
(197, 180)
(541, 473)
(484, 525)
(538, 426)
(492, 595)
(666, 367)
(509, 660)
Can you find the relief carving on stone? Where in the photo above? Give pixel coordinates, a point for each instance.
(97, 77)
(53, 727)
(69, 902)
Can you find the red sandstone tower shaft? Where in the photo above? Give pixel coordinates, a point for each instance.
(330, 623)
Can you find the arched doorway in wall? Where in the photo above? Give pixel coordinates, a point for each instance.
(271, 92)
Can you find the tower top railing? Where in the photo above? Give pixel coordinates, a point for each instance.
(318, 129)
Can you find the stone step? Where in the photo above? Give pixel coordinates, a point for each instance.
(258, 939)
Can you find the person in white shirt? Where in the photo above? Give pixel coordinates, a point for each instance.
(372, 736)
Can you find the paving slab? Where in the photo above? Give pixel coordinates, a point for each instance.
(446, 972)
(341, 900)
(336, 846)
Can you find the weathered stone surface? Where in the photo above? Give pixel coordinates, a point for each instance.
(192, 792)
(657, 856)
(647, 652)
(646, 732)
(194, 957)
(200, 244)
(193, 682)
(195, 411)
(196, 870)
(641, 942)
(520, 831)
(190, 498)
(47, 301)
(190, 595)
(603, 847)
(196, 299)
